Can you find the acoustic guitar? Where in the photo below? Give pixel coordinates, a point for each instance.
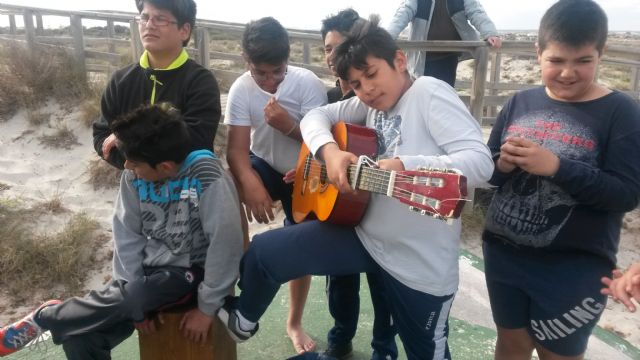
(435, 192)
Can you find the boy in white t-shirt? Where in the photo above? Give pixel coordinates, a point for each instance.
(264, 109)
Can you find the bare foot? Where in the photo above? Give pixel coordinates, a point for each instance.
(302, 343)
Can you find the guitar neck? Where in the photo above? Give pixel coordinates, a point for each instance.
(372, 179)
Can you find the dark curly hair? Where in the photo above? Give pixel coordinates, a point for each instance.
(152, 134)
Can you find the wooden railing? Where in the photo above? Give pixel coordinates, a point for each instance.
(484, 93)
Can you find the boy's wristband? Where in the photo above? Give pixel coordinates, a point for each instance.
(295, 125)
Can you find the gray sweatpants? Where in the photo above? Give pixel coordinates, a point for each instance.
(89, 327)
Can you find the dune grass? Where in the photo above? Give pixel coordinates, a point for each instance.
(30, 260)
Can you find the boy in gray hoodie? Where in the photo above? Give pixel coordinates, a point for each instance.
(176, 232)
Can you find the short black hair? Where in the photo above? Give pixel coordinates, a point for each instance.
(183, 10)
(365, 39)
(265, 41)
(152, 134)
(340, 22)
(574, 23)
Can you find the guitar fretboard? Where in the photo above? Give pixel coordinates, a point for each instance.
(371, 179)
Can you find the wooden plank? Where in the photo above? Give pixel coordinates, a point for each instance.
(68, 40)
(99, 68)
(168, 343)
(114, 59)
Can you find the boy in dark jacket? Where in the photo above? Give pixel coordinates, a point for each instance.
(164, 74)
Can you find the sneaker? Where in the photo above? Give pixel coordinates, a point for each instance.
(227, 314)
(339, 351)
(17, 335)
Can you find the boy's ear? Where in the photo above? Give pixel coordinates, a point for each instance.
(400, 61)
(185, 31)
(538, 52)
(167, 168)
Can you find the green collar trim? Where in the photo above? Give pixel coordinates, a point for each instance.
(179, 61)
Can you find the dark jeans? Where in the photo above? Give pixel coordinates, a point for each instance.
(344, 306)
(315, 248)
(89, 327)
(276, 187)
(442, 66)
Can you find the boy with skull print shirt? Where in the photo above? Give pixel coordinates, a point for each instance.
(565, 174)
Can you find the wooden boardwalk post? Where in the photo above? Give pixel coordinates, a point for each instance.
(78, 44)
(479, 82)
(29, 30)
(168, 343)
(111, 34)
(136, 44)
(202, 43)
(12, 24)
(306, 53)
(39, 25)
(494, 80)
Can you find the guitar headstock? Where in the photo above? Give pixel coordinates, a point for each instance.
(440, 193)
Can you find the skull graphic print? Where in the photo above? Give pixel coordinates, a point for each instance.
(530, 209)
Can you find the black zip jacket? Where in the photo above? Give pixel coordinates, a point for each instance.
(191, 88)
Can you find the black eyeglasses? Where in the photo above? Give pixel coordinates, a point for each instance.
(144, 19)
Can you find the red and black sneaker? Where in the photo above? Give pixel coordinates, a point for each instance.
(17, 335)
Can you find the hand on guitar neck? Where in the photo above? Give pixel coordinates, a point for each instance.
(337, 162)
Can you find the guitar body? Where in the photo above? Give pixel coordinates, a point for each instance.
(312, 192)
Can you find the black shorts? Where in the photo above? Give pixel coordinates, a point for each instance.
(555, 296)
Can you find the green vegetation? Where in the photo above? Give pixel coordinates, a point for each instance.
(29, 260)
(102, 175)
(61, 138)
(30, 78)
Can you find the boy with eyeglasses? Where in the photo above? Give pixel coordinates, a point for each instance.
(164, 74)
(264, 108)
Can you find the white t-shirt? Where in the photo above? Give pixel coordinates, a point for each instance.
(428, 127)
(299, 92)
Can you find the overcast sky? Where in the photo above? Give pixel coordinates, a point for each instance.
(506, 14)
